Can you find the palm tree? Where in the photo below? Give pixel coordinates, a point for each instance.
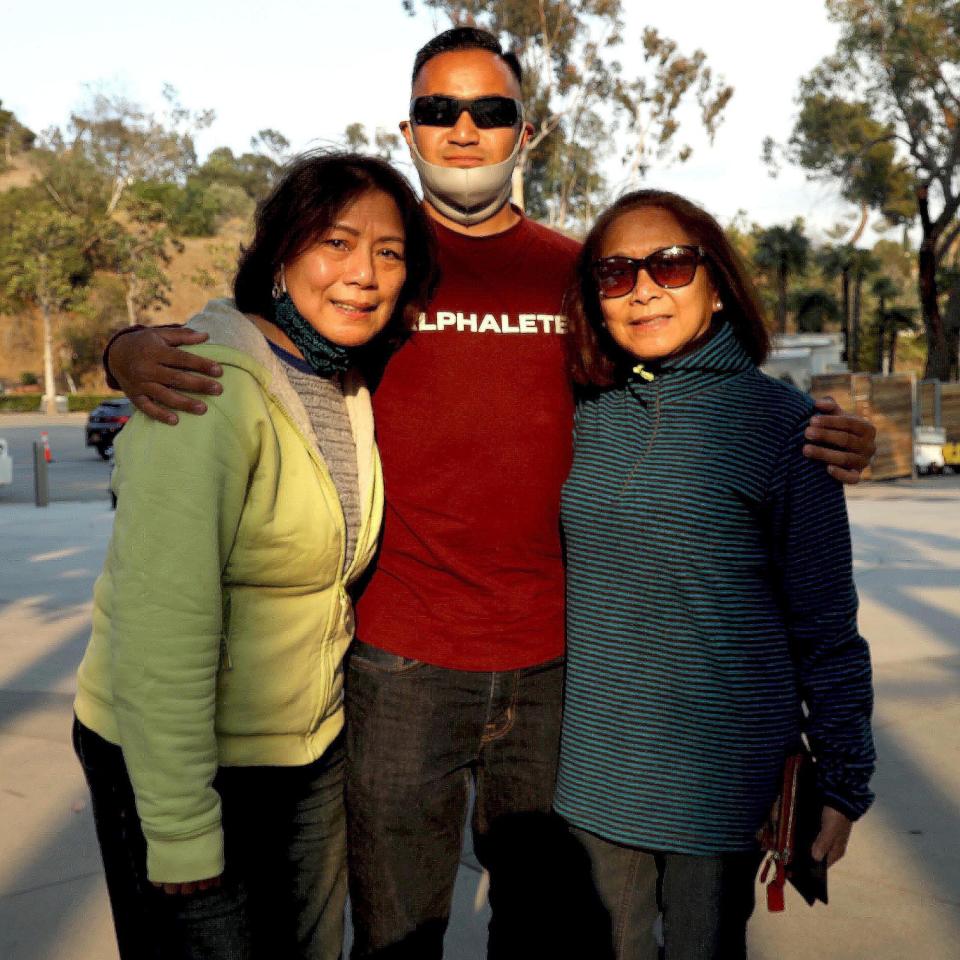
(813, 307)
(862, 263)
(834, 262)
(884, 289)
(897, 319)
(782, 251)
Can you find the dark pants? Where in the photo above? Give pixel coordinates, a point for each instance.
(698, 906)
(284, 885)
(417, 735)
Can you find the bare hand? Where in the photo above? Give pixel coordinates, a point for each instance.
(831, 842)
(854, 438)
(151, 370)
(182, 889)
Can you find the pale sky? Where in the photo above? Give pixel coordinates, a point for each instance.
(309, 69)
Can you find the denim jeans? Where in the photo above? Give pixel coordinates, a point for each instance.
(284, 886)
(670, 905)
(417, 735)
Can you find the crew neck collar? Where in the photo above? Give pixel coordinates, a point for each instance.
(455, 236)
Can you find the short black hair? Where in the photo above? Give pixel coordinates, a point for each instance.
(465, 38)
(312, 191)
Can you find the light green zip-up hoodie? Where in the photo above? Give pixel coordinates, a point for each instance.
(221, 617)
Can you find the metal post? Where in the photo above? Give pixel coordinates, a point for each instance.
(41, 487)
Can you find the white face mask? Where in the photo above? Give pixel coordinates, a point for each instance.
(466, 195)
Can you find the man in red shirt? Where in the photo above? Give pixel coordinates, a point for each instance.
(457, 672)
(456, 675)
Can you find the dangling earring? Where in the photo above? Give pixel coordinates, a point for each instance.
(279, 286)
(718, 306)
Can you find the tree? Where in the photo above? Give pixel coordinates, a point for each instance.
(139, 251)
(835, 261)
(814, 308)
(127, 144)
(862, 264)
(254, 172)
(83, 336)
(782, 251)
(42, 259)
(272, 144)
(839, 140)
(880, 116)
(120, 170)
(949, 280)
(14, 136)
(884, 289)
(895, 320)
(385, 143)
(581, 100)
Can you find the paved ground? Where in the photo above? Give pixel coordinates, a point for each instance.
(896, 895)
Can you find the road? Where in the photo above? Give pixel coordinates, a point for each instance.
(77, 472)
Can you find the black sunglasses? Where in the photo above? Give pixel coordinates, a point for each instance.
(669, 267)
(438, 110)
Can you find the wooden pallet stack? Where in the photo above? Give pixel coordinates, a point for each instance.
(890, 402)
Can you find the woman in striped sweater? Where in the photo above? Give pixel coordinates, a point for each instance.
(710, 589)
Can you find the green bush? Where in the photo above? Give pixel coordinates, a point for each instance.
(28, 379)
(20, 403)
(84, 402)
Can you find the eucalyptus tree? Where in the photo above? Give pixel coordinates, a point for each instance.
(587, 94)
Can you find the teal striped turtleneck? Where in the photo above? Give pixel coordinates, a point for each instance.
(706, 556)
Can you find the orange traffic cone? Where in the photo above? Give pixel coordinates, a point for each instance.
(45, 440)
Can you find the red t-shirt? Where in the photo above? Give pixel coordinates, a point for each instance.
(474, 422)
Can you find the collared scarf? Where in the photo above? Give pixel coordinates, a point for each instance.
(324, 357)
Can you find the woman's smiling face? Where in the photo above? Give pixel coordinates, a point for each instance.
(346, 284)
(653, 322)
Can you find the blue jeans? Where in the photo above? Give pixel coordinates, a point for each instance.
(671, 905)
(417, 737)
(284, 885)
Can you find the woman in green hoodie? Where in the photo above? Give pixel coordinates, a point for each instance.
(209, 707)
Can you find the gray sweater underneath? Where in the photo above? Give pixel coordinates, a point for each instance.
(325, 404)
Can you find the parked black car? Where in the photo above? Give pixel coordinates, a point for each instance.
(105, 422)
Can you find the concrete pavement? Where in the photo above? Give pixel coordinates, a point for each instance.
(895, 895)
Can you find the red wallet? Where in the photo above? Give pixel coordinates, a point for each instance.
(788, 835)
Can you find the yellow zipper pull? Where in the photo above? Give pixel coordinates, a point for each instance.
(641, 371)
